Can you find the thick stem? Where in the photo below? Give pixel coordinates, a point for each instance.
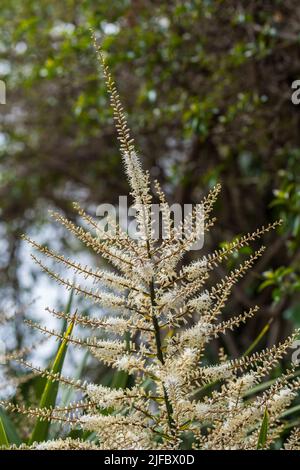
(160, 356)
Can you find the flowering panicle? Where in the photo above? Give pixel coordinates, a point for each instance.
(158, 319)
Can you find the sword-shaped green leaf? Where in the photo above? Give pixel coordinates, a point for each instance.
(48, 399)
(3, 437)
(9, 429)
(263, 434)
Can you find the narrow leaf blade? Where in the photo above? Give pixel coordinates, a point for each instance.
(48, 399)
(3, 437)
(10, 430)
(263, 434)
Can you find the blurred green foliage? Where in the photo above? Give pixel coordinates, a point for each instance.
(207, 87)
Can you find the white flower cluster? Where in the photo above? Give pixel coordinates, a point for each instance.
(168, 318)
